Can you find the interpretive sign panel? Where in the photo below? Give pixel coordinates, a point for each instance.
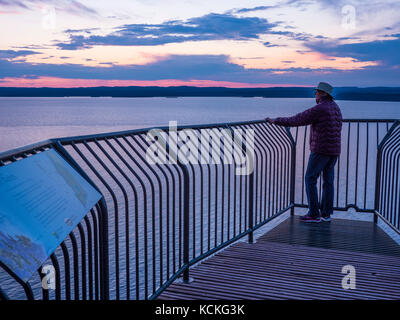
(42, 199)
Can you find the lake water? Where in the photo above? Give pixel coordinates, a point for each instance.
(28, 120)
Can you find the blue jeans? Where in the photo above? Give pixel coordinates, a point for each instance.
(318, 163)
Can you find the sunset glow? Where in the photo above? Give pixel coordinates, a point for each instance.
(230, 43)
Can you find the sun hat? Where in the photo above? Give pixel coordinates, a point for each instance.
(325, 87)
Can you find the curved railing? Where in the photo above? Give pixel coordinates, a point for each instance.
(155, 220)
(165, 217)
(387, 199)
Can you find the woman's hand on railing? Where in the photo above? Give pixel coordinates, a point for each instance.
(269, 120)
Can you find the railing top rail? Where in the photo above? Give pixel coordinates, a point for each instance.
(5, 155)
(370, 120)
(144, 130)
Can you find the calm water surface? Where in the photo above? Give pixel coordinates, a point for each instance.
(27, 120)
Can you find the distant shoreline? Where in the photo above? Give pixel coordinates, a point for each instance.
(340, 93)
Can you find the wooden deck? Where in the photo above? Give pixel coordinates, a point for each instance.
(300, 261)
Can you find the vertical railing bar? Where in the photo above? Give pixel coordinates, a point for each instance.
(257, 183)
(366, 168)
(201, 197)
(103, 237)
(67, 271)
(387, 151)
(347, 164)
(337, 181)
(83, 260)
(96, 253)
(90, 257)
(229, 191)
(222, 189)
(356, 179)
(215, 204)
(304, 161)
(76, 265)
(54, 261)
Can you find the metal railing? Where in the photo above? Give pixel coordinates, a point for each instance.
(355, 170)
(387, 195)
(157, 220)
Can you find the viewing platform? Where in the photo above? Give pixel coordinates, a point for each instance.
(299, 261)
(178, 229)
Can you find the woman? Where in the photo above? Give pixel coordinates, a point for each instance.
(325, 119)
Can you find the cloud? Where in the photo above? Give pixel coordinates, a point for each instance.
(203, 67)
(175, 66)
(13, 3)
(287, 3)
(385, 51)
(259, 8)
(69, 6)
(212, 26)
(11, 54)
(270, 45)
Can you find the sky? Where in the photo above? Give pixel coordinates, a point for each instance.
(82, 43)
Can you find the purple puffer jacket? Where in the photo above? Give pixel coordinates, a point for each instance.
(326, 126)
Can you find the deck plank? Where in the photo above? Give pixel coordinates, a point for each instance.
(299, 261)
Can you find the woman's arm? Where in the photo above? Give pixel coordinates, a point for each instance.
(304, 118)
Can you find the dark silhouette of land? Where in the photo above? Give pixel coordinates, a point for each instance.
(340, 93)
